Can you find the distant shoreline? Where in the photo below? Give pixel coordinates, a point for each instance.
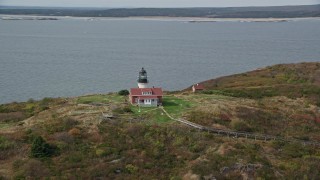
(297, 11)
(154, 18)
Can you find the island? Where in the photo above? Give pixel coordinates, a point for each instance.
(259, 124)
(301, 11)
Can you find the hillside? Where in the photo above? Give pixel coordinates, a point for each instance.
(229, 12)
(291, 80)
(102, 136)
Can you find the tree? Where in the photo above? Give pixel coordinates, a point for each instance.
(123, 92)
(40, 148)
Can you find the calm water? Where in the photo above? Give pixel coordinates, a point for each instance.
(74, 57)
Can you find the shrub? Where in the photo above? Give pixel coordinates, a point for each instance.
(123, 92)
(207, 92)
(74, 132)
(12, 116)
(277, 144)
(265, 173)
(31, 100)
(122, 110)
(47, 100)
(213, 165)
(5, 143)
(75, 157)
(103, 151)
(40, 148)
(241, 126)
(61, 124)
(131, 168)
(4, 109)
(44, 103)
(201, 117)
(100, 152)
(69, 123)
(127, 110)
(295, 150)
(32, 169)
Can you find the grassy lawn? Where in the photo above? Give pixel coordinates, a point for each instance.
(173, 105)
(154, 114)
(161, 117)
(143, 110)
(176, 106)
(101, 99)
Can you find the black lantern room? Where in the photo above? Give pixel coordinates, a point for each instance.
(143, 78)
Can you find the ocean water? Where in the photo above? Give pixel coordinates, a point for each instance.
(72, 57)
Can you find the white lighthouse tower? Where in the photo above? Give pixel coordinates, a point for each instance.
(143, 79)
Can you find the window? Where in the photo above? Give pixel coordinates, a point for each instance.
(147, 101)
(147, 93)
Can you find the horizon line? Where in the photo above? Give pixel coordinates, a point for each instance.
(141, 7)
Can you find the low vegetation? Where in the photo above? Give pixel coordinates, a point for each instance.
(123, 92)
(293, 81)
(41, 149)
(104, 136)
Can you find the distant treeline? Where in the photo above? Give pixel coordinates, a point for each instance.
(231, 12)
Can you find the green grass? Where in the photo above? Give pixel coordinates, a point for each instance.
(173, 105)
(143, 110)
(176, 106)
(101, 99)
(159, 116)
(154, 114)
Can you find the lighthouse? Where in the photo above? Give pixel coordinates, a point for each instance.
(143, 79)
(144, 96)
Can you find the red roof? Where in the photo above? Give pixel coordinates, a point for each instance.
(138, 91)
(147, 97)
(146, 89)
(198, 87)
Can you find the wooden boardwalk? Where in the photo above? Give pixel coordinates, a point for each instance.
(239, 134)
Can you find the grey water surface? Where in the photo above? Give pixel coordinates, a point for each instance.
(72, 57)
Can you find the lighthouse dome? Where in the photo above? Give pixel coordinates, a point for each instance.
(143, 79)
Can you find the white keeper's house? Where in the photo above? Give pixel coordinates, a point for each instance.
(144, 96)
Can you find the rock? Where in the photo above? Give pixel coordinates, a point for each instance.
(209, 177)
(117, 171)
(224, 170)
(190, 176)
